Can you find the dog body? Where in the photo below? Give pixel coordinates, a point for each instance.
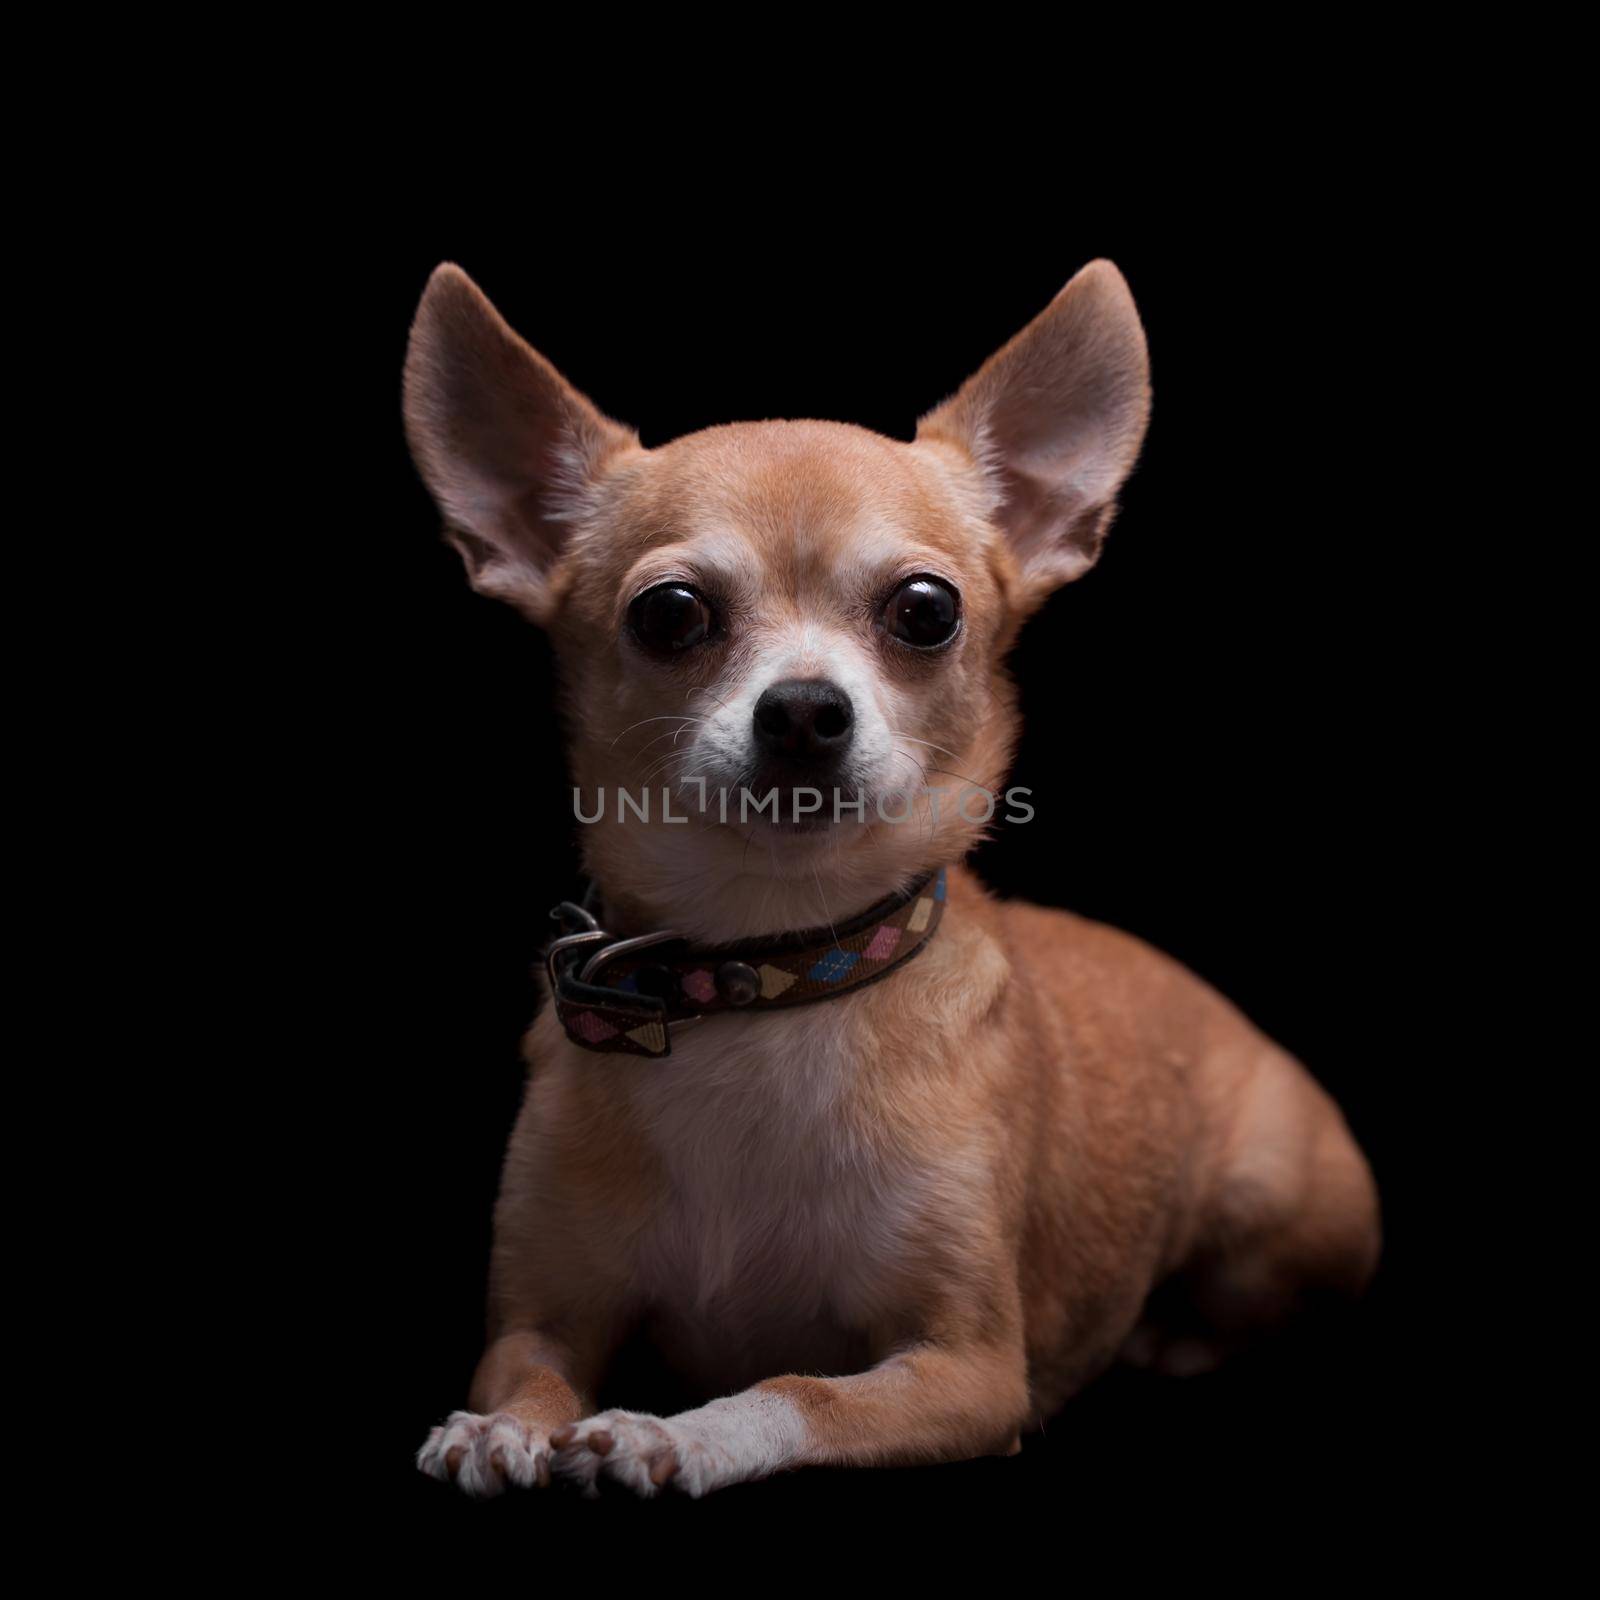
(907, 1224)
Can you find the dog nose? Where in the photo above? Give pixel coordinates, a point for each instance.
(804, 717)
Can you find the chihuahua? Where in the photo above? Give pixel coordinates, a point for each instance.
(882, 1168)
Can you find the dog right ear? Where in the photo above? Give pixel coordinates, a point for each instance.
(506, 445)
(1054, 421)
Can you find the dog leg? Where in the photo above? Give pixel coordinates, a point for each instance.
(523, 1389)
(930, 1403)
(1293, 1227)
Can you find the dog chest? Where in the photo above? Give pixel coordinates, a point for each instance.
(780, 1207)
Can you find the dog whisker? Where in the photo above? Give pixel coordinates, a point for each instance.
(673, 734)
(965, 776)
(714, 695)
(673, 717)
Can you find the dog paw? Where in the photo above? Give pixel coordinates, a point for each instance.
(646, 1453)
(482, 1455)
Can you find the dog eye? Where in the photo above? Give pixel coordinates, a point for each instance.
(922, 612)
(669, 618)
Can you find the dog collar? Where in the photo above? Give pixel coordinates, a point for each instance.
(655, 983)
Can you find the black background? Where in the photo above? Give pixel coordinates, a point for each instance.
(1215, 734)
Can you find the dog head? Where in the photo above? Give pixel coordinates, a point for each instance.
(784, 642)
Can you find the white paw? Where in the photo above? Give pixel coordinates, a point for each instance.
(646, 1453)
(484, 1454)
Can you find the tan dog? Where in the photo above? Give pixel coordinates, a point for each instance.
(905, 1224)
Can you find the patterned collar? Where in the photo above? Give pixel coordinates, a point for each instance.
(655, 984)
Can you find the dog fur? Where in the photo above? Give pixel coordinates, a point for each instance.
(907, 1224)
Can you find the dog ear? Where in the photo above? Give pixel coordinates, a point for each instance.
(507, 446)
(1055, 420)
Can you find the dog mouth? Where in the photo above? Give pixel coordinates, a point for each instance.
(783, 800)
(800, 826)
(802, 809)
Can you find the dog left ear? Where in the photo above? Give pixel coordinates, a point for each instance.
(508, 447)
(1054, 420)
